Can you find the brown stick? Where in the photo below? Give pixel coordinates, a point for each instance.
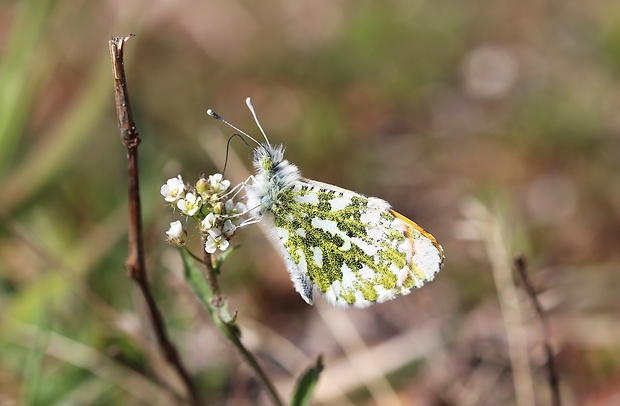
(135, 259)
(521, 267)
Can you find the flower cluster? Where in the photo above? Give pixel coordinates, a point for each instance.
(210, 204)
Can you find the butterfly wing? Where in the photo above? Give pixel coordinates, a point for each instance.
(352, 249)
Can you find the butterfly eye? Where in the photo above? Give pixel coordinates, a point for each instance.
(266, 164)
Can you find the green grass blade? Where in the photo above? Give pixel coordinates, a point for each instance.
(18, 63)
(307, 384)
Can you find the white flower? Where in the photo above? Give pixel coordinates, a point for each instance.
(208, 222)
(228, 229)
(176, 234)
(173, 190)
(175, 230)
(223, 246)
(218, 184)
(190, 205)
(234, 209)
(215, 240)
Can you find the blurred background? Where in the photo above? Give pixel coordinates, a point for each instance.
(494, 125)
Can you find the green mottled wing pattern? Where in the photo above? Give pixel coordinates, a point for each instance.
(352, 249)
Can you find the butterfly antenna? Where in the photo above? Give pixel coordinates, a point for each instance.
(248, 101)
(228, 149)
(220, 118)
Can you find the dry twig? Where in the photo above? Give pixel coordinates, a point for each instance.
(135, 260)
(496, 247)
(520, 264)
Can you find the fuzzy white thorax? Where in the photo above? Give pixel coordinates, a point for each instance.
(273, 174)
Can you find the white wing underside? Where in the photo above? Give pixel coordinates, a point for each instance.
(374, 200)
(420, 251)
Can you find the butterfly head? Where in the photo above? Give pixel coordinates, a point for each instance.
(272, 169)
(268, 157)
(273, 172)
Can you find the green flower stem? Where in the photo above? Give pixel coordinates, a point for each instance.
(210, 274)
(206, 288)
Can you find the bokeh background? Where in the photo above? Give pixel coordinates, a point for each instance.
(494, 125)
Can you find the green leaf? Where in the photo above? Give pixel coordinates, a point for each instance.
(307, 384)
(217, 264)
(217, 307)
(34, 364)
(219, 312)
(196, 280)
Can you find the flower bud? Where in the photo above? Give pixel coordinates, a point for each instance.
(202, 185)
(218, 208)
(176, 234)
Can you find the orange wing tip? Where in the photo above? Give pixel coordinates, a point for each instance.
(422, 231)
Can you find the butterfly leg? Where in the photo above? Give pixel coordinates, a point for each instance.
(238, 188)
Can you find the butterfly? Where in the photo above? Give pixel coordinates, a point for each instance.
(352, 249)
